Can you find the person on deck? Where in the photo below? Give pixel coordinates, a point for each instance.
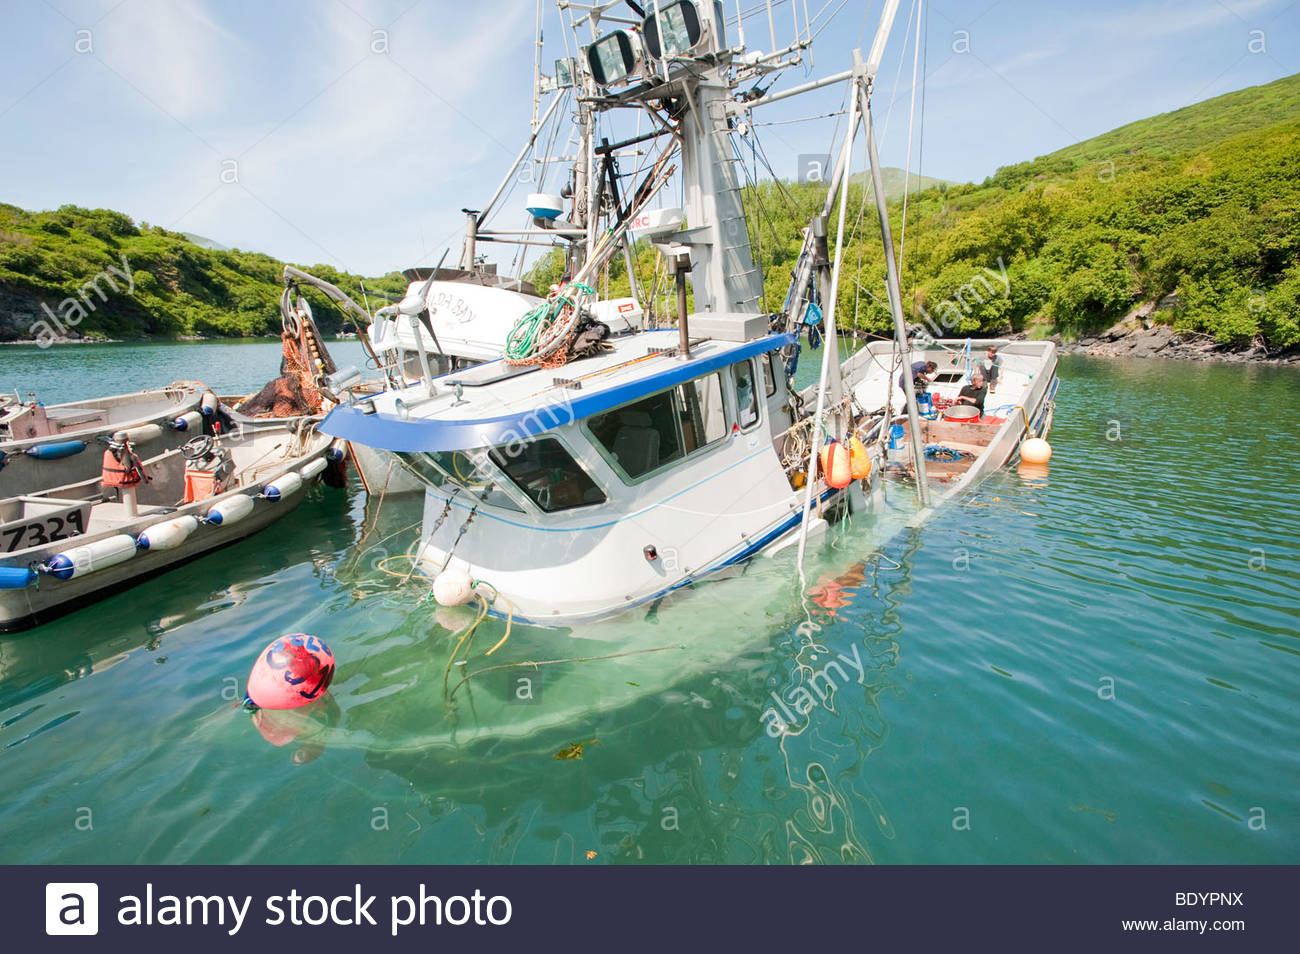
(920, 381)
(991, 367)
(975, 392)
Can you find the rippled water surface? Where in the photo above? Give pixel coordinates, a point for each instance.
(1096, 664)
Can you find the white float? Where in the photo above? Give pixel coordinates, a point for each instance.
(230, 510)
(91, 557)
(453, 588)
(169, 534)
(189, 421)
(282, 487)
(142, 434)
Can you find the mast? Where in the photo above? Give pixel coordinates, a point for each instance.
(724, 274)
(893, 287)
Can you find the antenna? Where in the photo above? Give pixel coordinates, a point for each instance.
(537, 67)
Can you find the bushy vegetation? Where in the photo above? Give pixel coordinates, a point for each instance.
(180, 288)
(1197, 210)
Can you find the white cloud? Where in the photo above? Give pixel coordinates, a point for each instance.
(1150, 21)
(174, 54)
(373, 155)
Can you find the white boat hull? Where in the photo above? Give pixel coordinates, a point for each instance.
(21, 473)
(50, 596)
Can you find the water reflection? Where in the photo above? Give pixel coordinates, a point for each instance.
(825, 752)
(667, 776)
(308, 726)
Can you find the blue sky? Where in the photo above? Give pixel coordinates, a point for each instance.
(363, 157)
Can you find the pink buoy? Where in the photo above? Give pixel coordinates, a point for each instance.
(291, 672)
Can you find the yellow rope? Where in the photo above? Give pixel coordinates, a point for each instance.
(469, 631)
(510, 615)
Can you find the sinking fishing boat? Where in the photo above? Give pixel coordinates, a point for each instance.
(598, 465)
(44, 446)
(72, 545)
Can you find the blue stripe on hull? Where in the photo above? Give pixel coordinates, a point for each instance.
(390, 433)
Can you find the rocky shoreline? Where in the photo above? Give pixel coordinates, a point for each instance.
(1139, 335)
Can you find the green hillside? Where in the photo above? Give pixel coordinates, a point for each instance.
(180, 287)
(1197, 210)
(1192, 127)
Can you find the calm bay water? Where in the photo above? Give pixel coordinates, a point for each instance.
(1097, 665)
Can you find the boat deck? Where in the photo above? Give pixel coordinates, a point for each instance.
(497, 403)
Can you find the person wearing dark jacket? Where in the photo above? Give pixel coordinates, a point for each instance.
(975, 392)
(920, 370)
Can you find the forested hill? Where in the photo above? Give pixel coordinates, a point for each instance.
(1194, 213)
(166, 284)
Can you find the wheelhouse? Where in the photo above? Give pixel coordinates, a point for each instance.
(584, 454)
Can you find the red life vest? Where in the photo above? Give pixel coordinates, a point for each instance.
(126, 472)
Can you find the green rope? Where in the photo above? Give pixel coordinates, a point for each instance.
(523, 338)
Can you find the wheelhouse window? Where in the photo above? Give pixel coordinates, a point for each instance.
(770, 372)
(547, 473)
(448, 470)
(742, 375)
(704, 419)
(655, 431)
(641, 437)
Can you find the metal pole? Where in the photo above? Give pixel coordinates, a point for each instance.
(683, 333)
(828, 321)
(893, 286)
(629, 263)
(471, 238)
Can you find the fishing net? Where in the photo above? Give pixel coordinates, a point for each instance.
(545, 334)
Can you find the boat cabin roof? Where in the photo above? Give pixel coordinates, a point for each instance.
(497, 403)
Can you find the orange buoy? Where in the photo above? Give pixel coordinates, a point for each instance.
(859, 460)
(1035, 451)
(835, 465)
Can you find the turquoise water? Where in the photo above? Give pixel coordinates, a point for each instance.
(1098, 664)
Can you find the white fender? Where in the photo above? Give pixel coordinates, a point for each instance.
(282, 486)
(139, 435)
(189, 421)
(230, 510)
(308, 471)
(91, 557)
(208, 404)
(169, 534)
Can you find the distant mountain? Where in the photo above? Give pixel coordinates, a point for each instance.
(207, 243)
(894, 181)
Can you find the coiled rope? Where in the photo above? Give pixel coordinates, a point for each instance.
(549, 327)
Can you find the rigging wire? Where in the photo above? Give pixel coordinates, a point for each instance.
(802, 119)
(911, 116)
